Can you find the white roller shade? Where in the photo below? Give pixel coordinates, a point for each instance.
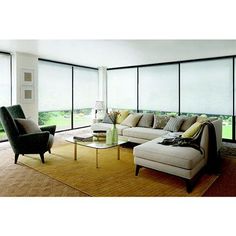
(158, 88)
(54, 86)
(85, 87)
(5, 80)
(207, 87)
(122, 88)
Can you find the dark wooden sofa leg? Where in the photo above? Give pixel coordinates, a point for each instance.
(42, 157)
(16, 158)
(189, 185)
(49, 151)
(137, 170)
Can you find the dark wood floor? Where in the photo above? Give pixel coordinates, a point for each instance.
(225, 185)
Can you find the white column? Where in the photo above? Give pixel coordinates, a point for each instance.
(25, 62)
(102, 73)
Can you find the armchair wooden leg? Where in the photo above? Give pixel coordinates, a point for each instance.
(16, 158)
(137, 170)
(42, 157)
(49, 151)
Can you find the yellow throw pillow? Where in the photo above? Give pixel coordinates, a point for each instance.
(123, 114)
(192, 130)
(202, 118)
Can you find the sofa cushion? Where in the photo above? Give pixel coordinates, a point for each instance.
(143, 133)
(105, 126)
(146, 120)
(160, 121)
(191, 131)
(121, 116)
(132, 119)
(174, 124)
(27, 126)
(182, 157)
(188, 121)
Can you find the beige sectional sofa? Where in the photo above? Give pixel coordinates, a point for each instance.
(185, 162)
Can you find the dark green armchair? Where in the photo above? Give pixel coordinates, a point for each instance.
(32, 143)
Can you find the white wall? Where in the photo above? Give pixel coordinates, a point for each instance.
(20, 62)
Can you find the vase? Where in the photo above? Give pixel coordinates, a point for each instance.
(109, 137)
(114, 135)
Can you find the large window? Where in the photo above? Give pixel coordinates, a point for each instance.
(56, 99)
(122, 89)
(85, 95)
(206, 88)
(5, 85)
(201, 87)
(55, 94)
(158, 88)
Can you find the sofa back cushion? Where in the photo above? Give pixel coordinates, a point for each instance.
(174, 124)
(160, 121)
(146, 120)
(188, 121)
(132, 119)
(121, 116)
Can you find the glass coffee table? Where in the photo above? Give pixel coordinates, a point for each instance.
(95, 144)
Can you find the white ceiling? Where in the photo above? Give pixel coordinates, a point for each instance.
(115, 53)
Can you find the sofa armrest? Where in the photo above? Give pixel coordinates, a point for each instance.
(205, 136)
(218, 128)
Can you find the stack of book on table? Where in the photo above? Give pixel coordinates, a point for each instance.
(99, 134)
(84, 137)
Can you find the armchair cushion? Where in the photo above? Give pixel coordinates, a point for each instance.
(27, 126)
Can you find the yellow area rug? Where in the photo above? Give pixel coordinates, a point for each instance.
(113, 177)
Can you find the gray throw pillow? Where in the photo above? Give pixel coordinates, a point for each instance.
(146, 120)
(107, 119)
(132, 119)
(188, 121)
(174, 124)
(27, 126)
(160, 121)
